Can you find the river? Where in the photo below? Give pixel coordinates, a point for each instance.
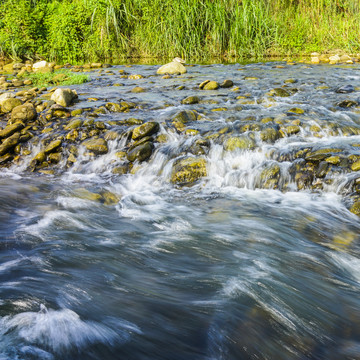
(230, 267)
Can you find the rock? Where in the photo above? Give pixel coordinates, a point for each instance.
(270, 135)
(321, 154)
(54, 145)
(185, 116)
(6, 96)
(355, 166)
(345, 89)
(24, 113)
(9, 143)
(85, 194)
(8, 68)
(136, 77)
(121, 169)
(296, 110)
(334, 59)
(188, 170)
(209, 85)
(64, 97)
(146, 129)
(39, 158)
(141, 152)
(355, 208)
(269, 177)
(190, 100)
(11, 129)
(175, 67)
(315, 60)
(138, 89)
(96, 145)
(279, 92)
(40, 64)
(9, 104)
(347, 103)
(242, 142)
(73, 124)
(227, 84)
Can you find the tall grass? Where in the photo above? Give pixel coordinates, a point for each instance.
(80, 30)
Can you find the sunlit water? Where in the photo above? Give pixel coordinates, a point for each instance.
(223, 269)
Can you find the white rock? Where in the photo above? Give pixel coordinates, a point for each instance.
(40, 64)
(172, 68)
(64, 97)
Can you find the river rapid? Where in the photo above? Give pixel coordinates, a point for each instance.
(232, 266)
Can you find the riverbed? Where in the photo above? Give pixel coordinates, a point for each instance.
(256, 259)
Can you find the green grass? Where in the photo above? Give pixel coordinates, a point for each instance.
(58, 77)
(80, 30)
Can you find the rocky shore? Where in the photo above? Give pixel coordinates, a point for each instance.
(41, 127)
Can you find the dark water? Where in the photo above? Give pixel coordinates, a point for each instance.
(224, 269)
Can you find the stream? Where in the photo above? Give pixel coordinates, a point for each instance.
(258, 259)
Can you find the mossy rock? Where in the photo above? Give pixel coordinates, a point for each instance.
(280, 92)
(11, 129)
(185, 116)
(209, 85)
(189, 170)
(190, 100)
(109, 198)
(355, 208)
(239, 142)
(73, 124)
(141, 152)
(269, 177)
(347, 103)
(147, 129)
(24, 113)
(270, 135)
(296, 110)
(227, 84)
(85, 194)
(96, 145)
(121, 169)
(355, 166)
(138, 89)
(321, 154)
(9, 143)
(54, 145)
(9, 104)
(291, 130)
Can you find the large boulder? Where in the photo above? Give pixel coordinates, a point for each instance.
(174, 67)
(188, 170)
(24, 113)
(64, 97)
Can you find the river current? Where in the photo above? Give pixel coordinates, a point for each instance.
(224, 269)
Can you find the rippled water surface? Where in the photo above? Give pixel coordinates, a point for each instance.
(231, 267)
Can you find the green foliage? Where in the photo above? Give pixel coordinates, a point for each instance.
(79, 30)
(59, 77)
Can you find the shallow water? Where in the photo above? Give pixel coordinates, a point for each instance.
(224, 269)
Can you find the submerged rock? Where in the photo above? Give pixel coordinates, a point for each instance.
(141, 152)
(189, 170)
(239, 142)
(175, 67)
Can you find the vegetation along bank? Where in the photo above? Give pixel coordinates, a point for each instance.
(200, 29)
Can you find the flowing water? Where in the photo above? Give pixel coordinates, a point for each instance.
(228, 268)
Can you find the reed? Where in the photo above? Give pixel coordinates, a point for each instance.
(80, 30)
